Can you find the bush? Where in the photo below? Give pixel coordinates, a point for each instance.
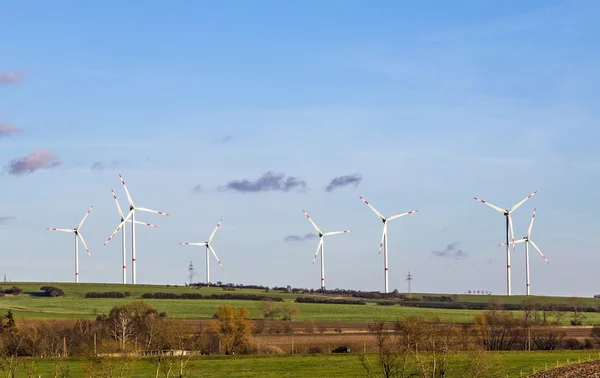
(287, 328)
(111, 294)
(162, 315)
(385, 303)
(13, 291)
(51, 291)
(127, 294)
(572, 344)
(330, 301)
(259, 327)
(576, 322)
(228, 296)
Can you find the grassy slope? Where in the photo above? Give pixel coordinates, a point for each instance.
(317, 365)
(73, 305)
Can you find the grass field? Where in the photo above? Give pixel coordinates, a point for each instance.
(30, 305)
(513, 363)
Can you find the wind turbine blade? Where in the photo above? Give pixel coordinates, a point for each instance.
(118, 206)
(311, 221)
(318, 249)
(536, 247)
(85, 245)
(126, 191)
(85, 217)
(216, 257)
(516, 242)
(382, 237)
(490, 205)
(190, 243)
(144, 224)
(531, 224)
(401, 215)
(215, 231)
(60, 229)
(118, 228)
(512, 232)
(337, 232)
(372, 208)
(151, 211)
(522, 202)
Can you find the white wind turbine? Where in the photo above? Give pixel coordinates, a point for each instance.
(508, 227)
(321, 247)
(527, 240)
(208, 247)
(124, 249)
(132, 210)
(77, 235)
(384, 238)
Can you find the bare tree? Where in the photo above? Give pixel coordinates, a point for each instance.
(392, 354)
(577, 308)
(232, 327)
(269, 309)
(121, 325)
(289, 311)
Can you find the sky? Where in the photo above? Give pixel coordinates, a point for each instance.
(251, 112)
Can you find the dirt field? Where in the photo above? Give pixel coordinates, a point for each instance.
(583, 370)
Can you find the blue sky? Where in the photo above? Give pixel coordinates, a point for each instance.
(430, 103)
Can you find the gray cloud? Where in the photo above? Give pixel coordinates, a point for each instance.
(452, 250)
(342, 181)
(299, 238)
(15, 77)
(5, 219)
(269, 181)
(97, 166)
(197, 189)
(7, 130)
(41, 159)
(225, 139)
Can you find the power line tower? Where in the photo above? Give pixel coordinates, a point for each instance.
(409, 278)
(192, 272)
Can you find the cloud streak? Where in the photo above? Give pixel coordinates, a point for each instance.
(7, 130)
(299, 238)
(341, 181)
(197, 189)
(269, 181)
(15, 77)
(452, 250)
(41, 159)
(97, 166)
(4, 220)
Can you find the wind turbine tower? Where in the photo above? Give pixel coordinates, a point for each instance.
(209, 249)
(76, 231)
(321, 247)
(509, 227)
(384, 238)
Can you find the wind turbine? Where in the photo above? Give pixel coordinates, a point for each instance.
(124, 249)
(77, 235)
(131, 215)
(508, 226)
(384, 239)
(321, 247)
(527, 240)
(208, 247)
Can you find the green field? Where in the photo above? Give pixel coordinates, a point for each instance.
(30, 305)
(512, 363)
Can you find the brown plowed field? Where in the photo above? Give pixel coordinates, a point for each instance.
(583, 370)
